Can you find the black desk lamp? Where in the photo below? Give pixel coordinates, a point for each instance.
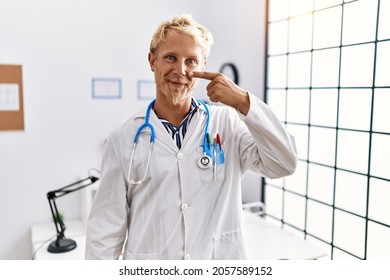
(63, 244)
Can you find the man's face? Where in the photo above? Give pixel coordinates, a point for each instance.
(173, 63)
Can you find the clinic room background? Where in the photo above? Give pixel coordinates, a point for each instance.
(322, 65)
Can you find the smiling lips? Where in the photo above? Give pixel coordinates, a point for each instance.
(177, 80)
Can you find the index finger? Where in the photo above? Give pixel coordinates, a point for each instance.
(205, 75)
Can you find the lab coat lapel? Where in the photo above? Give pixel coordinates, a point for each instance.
(161, 133)
(196, 125)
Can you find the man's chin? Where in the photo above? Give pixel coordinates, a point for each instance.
(176, 99)
(179, 97)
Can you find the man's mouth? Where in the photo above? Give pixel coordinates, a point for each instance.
(177, 80)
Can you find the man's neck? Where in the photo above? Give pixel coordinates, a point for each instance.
(175, 114)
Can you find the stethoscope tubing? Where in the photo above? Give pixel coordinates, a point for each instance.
(206, 129)
(147, 124)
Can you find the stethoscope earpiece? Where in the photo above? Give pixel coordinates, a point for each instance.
(205, 162)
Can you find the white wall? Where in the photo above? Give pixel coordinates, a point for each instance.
(62, 45)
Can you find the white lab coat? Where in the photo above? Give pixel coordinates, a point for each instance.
(180, 212)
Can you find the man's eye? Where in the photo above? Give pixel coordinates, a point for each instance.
(191, 62)
(170, 58)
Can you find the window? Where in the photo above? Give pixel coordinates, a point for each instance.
(328, 81)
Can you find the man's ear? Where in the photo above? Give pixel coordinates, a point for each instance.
(151, 61)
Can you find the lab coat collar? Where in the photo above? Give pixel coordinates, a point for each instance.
(163, 135)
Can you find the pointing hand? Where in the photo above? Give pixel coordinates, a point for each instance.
(222, 89)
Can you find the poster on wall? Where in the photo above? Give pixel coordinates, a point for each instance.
(11, 97)
(106, 88)
(146, 89)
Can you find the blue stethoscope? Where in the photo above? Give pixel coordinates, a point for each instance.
(205, 161)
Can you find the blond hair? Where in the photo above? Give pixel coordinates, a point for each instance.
(187, 25)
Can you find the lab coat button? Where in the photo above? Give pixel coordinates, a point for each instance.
(187, 257)
(179, 155)
(184, 206)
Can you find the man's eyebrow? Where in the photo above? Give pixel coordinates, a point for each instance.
(168, 53)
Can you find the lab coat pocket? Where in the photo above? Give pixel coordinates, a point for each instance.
(229, 246)
(215, 173)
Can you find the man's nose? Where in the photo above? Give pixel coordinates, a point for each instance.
(180, 68)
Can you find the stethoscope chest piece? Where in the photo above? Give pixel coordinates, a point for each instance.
(205, 162)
